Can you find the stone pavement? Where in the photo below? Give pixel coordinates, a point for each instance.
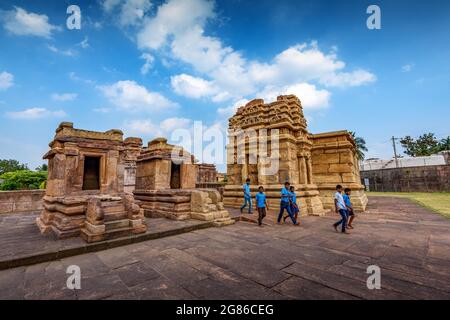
(23, 244)
(243, 261)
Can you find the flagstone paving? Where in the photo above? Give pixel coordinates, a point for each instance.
(243, 261)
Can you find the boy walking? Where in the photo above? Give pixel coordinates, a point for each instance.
(247, 196)
(293, 202)
(261, 205)
(285, 204)
(340, 207)
(348, 204)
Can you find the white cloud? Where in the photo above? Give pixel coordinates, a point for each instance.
(6, 80)
(131, 12)
(192, 87)
(148, 63)
(310, 96)
(348, 79)
(407, 67)
(177, 31)
(173, 18)
(231, 110)
(68, 52)
(171, 124)
(63, 97)
(109, 5)
(36, 113)
(148, 128)
(23, 23)
(131, 96)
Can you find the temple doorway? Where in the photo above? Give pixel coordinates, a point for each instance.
(175, 176)
(91, 177)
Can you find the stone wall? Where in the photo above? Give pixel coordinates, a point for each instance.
(21, 201)
(411, 179)
(334, 162)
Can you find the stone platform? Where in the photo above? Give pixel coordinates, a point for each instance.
(23, 244)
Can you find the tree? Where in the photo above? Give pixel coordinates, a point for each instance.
(360, 146)
(444, 144)
(22, 180)
(425, 145)
(43, 167)
(11, 166)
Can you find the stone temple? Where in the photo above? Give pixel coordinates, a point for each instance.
(101, 186)
(85, 188)
(313, 163)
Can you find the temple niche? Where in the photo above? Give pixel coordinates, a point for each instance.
(85, 188)
(166, 177)
(314, 164)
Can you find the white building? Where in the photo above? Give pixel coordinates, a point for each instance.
(441, 158)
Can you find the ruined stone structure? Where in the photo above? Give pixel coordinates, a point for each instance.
(166, 176)
(312, 163)
(207, 173)
(85, 188)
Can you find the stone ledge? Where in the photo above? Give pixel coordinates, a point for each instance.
(39, 257)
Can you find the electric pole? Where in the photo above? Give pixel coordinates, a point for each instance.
(395, 151)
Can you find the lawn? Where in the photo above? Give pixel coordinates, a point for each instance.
(436, 201)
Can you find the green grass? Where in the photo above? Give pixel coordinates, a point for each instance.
(436, 201)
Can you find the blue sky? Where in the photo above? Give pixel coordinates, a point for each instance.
(148, 67)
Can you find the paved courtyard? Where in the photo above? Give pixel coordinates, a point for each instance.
(243, 261)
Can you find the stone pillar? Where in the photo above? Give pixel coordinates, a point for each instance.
(309, 170)
(302, 169)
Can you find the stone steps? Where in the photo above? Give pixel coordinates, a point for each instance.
(117, 224)
(108, 235)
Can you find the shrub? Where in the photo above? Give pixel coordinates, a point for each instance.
(22, 180)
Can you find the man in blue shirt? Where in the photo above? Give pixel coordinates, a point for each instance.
(261, 205)
(341, 208)
(247, 197)
(286, 204)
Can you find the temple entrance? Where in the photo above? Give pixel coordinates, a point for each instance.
(175, 176)
(91, 177)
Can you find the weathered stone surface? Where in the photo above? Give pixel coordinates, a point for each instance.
(307, 161)
(85, 187)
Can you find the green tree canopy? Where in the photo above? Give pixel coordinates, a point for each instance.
(425, 145)
(22, 180)
(43, 167)
(11, 166)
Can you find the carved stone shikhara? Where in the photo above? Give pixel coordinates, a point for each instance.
(314, 164)
(85, 188)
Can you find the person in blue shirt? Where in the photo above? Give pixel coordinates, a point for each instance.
(261, 205)
(293, 202)
(348, 203)
(285, 204)
(340, 208)
(247, 197)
